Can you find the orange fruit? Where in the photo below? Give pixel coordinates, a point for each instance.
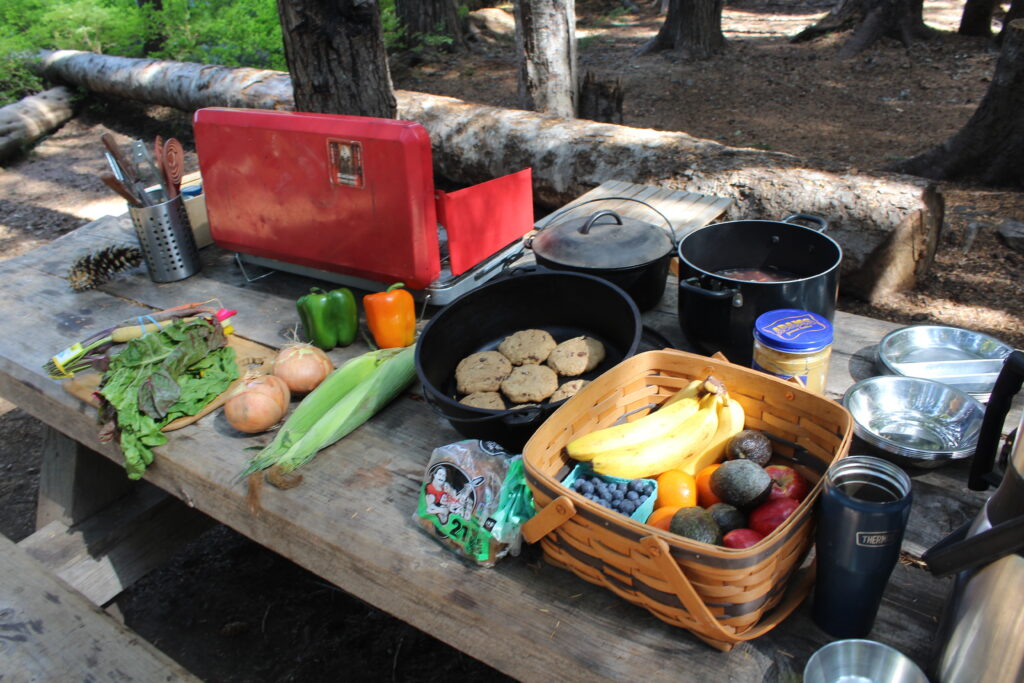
(705, 498)
(676, 489)
(662, 517)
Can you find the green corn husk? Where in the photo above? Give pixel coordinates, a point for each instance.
(368, 383)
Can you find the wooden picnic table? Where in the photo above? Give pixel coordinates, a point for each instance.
(350, 520)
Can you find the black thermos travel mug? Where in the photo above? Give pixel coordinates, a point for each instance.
(863, 511)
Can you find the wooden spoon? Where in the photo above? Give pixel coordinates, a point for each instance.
(173, 165)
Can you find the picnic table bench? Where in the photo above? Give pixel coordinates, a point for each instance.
(350, 520)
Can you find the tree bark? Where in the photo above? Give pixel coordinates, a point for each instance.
(601, 99)
(693, 28)
(976, 19)
(1015, 12)
(546, 53)
(431, 17)
(335, 53)
(29, 119)
(871, 20)
(990, 147)
(888, 225)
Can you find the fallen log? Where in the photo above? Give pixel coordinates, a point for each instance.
(29, 119)
(887, 224)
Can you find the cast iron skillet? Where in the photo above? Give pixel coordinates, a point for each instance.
(565, 304)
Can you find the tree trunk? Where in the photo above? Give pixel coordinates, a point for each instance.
(976, 19)
(431, 17)
(871, 21)
(693, 28)
(546, 52)
(335, 53)
(29, 119)
(990, 147)
(1016, 11)
(888, 225)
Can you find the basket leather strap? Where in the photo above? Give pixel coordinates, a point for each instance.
(658, 550)
(554, 515)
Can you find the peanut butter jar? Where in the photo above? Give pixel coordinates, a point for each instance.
(792, 343)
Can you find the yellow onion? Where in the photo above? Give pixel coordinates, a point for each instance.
(254, 411)
(302, 367)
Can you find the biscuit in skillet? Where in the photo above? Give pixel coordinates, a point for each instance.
(491, 400)
(527, 347)
(530, 383)
(483, 371)
(576, 356)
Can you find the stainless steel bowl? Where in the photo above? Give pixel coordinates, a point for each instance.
(967, 360)
(914, 421)
(861, 661)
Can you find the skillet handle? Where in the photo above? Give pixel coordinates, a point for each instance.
(733, 296)
(818, 220)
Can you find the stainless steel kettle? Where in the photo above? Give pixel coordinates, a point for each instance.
(980, 632)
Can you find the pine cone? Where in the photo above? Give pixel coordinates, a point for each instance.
(92, 270)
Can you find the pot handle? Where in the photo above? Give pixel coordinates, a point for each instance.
(734, 296)
(585, 229)
(818, 220)
(558, 214)
(510, 416)
(958, 552)
(1008, 384)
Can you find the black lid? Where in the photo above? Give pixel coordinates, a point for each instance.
(602, 240)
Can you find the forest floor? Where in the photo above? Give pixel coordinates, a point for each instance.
(230, 610)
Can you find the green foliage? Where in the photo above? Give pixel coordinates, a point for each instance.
(394, 32)
(229, 32)
(16, 80)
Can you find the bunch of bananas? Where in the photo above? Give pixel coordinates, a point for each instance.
(688, 432)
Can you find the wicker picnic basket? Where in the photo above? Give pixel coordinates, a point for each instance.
(722, 595)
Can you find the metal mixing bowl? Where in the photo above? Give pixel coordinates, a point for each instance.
(913, 421)
(861, 661)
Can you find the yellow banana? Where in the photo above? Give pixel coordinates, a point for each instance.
(691, 390)
(651, 426)
(730, 423)
(667, 452)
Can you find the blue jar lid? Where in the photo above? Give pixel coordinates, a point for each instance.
(790, 329)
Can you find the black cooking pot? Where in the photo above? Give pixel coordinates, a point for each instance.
(565, 304)
(718, 305)
(627, 252)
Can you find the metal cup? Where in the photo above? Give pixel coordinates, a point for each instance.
(863, 511)
(166, 238)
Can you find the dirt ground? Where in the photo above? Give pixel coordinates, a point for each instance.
(231, 611)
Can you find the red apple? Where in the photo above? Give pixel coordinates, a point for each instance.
(767, 516)
(741, 538)
(787, 483)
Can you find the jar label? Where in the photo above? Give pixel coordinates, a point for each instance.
(796, 326)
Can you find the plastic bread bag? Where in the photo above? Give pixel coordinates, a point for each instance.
(474, 499)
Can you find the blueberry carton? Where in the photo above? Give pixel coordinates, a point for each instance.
(632, 497)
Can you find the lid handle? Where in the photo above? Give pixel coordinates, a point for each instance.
(585, 229)
(1009, 382)
(958, 552)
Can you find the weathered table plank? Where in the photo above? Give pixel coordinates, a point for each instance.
(350, 523)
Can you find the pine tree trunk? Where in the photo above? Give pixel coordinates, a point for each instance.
(1016, 11)
(546, 52)
(976, 19)
(431, 17)
(693, 28)
(335, 54)
(990, 147)
(29, 119)
(871, 20)
(601, 99)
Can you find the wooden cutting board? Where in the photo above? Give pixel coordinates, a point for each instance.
(249, 355)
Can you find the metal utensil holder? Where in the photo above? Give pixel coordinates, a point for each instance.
(166, 238)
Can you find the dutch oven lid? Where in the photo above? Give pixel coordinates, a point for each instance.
(602, 240)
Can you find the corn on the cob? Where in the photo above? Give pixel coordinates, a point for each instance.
(313, 414)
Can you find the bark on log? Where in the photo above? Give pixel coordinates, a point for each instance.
(887, 224)
(29, 119)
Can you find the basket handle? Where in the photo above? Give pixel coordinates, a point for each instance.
(658, 550)
(554, 515)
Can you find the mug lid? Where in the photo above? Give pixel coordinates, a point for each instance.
(790, 329)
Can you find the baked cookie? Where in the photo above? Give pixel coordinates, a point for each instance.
(483, 371)
(568, 389)
(530, 383)
(491, 400)
(576, 356)
(527, 347)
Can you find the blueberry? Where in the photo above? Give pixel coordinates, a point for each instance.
(633, 495)
(586, 487)
(627, 507)
(636, 485)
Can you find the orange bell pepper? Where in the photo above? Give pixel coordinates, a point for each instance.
(391, 317)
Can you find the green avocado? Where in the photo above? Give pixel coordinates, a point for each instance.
(696, 523)
(741, 483)
(727, 517)
(750, 444)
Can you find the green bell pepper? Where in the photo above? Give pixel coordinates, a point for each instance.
(329, 318)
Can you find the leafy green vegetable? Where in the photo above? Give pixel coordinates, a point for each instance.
(160, 377)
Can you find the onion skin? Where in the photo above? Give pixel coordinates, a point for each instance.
(253, 411)
(272, 386)
(302, 367)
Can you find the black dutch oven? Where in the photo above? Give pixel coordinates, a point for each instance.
(565, 304)
(718, 304)
(627, 252)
